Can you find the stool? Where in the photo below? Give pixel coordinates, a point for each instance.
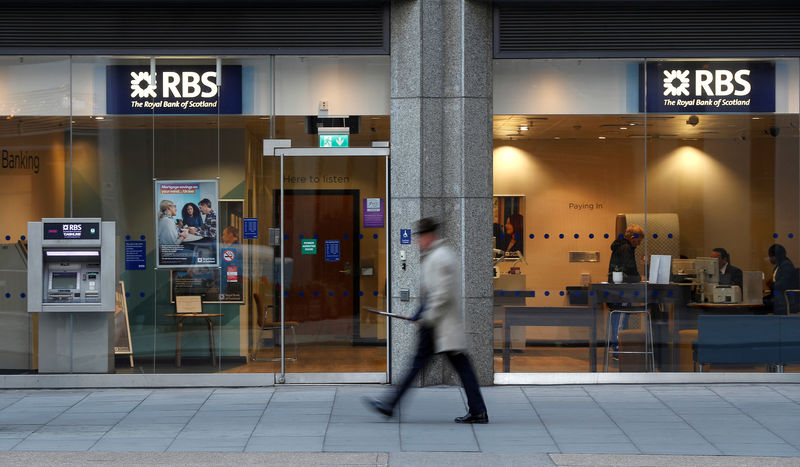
(497, 324)
(648, 352)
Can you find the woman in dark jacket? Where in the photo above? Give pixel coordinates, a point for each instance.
(783, 278)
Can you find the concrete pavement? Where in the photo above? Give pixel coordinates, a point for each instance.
(686, 424)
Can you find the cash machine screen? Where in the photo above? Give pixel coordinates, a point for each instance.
(64, 280)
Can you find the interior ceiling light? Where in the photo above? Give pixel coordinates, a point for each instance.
(524, 128)
(623, 128)
(756, 118)
(601, 137)
(99, 118)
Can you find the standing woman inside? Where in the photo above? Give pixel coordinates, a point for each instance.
(783, 278)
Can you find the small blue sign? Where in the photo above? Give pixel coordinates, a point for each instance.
(405, 236)
(135, 255)
(250, 227)
(332, 250)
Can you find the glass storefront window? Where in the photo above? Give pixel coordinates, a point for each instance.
(584, 149)
(100, 137)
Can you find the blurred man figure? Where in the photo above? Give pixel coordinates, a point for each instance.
(441, 328)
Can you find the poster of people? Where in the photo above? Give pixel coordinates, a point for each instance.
(222, 283)
(186, 223)
(509, 225)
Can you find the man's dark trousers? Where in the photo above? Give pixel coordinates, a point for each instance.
(460, 362)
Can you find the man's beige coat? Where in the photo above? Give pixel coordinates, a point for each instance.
(441, 294)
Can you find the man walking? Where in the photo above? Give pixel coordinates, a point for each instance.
(441, 327)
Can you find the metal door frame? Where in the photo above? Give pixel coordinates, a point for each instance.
(283, 148)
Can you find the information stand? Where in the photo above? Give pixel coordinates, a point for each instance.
(122, 325)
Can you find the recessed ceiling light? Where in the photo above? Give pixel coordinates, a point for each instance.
(601, 137)
(557, 137)
(631, 124)
(100, 118)
(623, 128)
(523, 128)
(756, 118)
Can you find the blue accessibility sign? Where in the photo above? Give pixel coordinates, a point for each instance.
(405, 236)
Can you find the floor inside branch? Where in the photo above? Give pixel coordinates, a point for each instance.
(355, 359)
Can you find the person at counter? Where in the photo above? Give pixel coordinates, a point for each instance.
(783, 278)
(623, 258)
(728, 273)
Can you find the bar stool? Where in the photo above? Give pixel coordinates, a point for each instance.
(648, 337)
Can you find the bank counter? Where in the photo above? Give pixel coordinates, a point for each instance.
(670, 307)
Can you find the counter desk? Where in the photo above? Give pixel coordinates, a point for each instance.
(673, 295)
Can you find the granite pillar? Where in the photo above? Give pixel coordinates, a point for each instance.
(441, 163)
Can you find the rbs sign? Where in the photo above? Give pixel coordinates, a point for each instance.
(696, 87)
(175, 90)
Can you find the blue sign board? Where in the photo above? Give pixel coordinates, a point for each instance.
(250, 227)
(178, 90)
(405, 236)
(701, 87)
(332, 250)
(135, 255)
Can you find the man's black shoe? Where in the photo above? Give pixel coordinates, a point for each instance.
(469, 418)
(380, 406)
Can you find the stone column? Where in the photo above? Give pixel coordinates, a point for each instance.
(441, 163)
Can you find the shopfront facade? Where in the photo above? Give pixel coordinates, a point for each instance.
(317, 135)
(669, 158)
(256, 181)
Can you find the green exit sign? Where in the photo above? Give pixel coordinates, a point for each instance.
(308, 246)
(334, 141)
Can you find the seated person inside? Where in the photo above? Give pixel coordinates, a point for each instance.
(728, 273)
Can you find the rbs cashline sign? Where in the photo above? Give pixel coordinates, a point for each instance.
(698, 87)
(175, 90)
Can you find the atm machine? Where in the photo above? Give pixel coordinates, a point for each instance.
(71, 284)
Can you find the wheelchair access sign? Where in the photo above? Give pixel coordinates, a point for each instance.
(405, 236)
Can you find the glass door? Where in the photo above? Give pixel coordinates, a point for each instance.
(328, 216)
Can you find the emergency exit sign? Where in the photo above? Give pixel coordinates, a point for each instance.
(334, 141)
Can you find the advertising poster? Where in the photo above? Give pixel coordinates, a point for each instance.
(186, 223)
(224, 283)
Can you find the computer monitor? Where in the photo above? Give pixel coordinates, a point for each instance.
(683, 266)
(707, 269)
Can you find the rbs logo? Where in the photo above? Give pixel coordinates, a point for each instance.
(71, 227)
(707, 83)
(187, 84)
